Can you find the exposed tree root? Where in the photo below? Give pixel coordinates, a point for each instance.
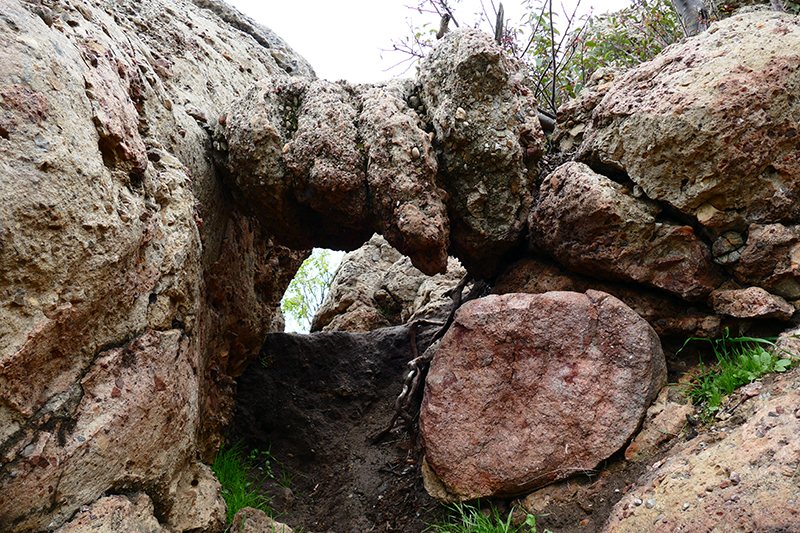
(418, 366)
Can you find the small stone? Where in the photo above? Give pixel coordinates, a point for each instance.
(461, 114)
(415, 153)
(650, 503)
(637, 502)
(659, 518)
(686, 506)
(735, 478)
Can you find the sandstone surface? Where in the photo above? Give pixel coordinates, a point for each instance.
(529, 389)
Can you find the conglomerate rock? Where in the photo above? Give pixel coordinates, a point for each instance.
(731, 479)
(487, 128)
(326, 164)
(710, 126)
(114, 365)
(595, 226)
(527, 389)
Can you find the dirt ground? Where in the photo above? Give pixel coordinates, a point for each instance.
(320, 403)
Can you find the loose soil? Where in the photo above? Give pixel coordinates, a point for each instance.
(316, 402)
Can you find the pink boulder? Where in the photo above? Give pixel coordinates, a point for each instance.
(528, 389)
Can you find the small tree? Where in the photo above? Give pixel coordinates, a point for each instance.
(307, 290)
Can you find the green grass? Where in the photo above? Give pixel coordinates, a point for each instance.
(231, 467)
(470, 519)
(740, 360)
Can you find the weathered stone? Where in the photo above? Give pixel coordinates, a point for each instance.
(665, 420)
(141, 398)
(667, 314)
(711, 123)
(375, 286)
(722, 476)
(574, 115)
(111, 221)
(771, 259)
(561, 381)
(249, 520)
(468, 75)
(405, 196)
(752, 302)
(297, 158)
(115, 514)
(595, 226)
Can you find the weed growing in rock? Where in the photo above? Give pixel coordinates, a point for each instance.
(231, 467)
(740, 360)
(470, 519)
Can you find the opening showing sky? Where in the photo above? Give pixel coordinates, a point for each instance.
(351, 39)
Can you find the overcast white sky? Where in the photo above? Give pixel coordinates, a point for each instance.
(343, 39)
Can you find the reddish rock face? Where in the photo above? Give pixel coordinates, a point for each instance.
(529, 389)
(595, 226)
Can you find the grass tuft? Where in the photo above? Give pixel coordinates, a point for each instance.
(469, 519)
(740, 360)
(231, 467)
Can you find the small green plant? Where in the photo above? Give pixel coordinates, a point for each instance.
(740, 360)
(470, 519)
(231, 467)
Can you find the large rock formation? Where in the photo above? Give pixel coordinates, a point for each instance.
(710, 127)
(529, 389)
(328, 163)
(130, 285)
(742, 478)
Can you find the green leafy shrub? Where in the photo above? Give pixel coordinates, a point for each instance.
(560, 49)
(231, 468)
(308, 288)
(621, 39)
(740, 360)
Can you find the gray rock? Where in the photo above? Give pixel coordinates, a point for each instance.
(376, 286)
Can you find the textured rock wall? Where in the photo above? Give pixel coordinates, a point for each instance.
(130, 284)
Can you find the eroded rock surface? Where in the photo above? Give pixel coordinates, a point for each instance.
(486, 125)
(595, 226)
(667, 314)
(328, 163)
(376, 286)
(740, 479)
(529, 389)
(114, 368)
(710, 126)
